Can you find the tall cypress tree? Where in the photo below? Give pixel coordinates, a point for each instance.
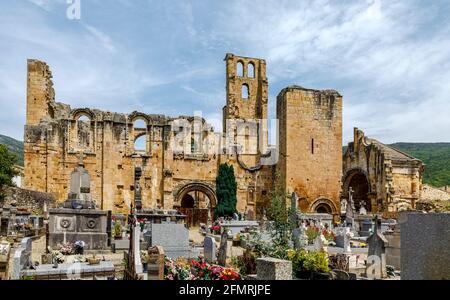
(226, 188)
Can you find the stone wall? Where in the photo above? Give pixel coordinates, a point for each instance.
(388, 180)
(32, 200)
(311, 147)
(180, 153)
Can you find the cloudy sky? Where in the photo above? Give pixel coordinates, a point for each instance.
(389, 59)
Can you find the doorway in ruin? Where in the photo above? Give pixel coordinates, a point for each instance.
(358, 182)
(323, 206)
(197, 201)
(323, 209)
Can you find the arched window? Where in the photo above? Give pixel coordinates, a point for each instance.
(139, 123)
(83, 131)
(140, 144)
(240, 69)
(251, 70)
(83, 118)
(245, 92)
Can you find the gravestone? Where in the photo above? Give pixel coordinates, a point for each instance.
(174, 238)
(209, 246)
(393, 248)
(362, 209)
(343, 238)
(78, 220)
(5, 249)
(376, 257)
(22, 258)
(269, 268)
(222, 257)
(299, 236)
(134, 269)
(296, 234)
(425, 244)
(350, 212)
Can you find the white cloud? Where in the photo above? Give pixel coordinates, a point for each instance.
(389, 59)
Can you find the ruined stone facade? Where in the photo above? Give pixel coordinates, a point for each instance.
(386, 179)
(310, 161)
(178, 163)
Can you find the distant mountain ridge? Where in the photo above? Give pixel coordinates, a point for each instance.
(13, 145)
(436, 156)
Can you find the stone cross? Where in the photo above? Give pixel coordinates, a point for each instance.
(348, 234)
(350, 206)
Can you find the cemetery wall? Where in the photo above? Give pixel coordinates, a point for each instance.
(31, 200)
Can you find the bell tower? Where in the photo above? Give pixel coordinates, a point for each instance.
(247, 94)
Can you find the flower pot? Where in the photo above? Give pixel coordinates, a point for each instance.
(320, 276)
(303, 274)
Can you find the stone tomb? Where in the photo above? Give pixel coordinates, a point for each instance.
(268, 268)
(78, 220)
(425, 244)
(174, 238)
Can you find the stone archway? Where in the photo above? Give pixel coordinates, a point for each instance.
(197, 200)
(323, 205)
(357, 179)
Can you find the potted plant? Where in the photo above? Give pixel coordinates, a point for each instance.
(117, 231)
(317, 263)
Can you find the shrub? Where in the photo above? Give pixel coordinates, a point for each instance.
(304, 263)
(117, 230)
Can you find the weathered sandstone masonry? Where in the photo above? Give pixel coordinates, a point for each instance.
(168, 162)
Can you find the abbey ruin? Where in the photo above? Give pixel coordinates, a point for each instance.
(178, 166)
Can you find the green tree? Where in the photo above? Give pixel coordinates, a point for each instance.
(7, 170)
(278, 214)
(226, 188)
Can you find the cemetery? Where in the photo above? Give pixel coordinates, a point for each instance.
(82, 242)
(100, 209)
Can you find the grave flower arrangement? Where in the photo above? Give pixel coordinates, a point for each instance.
(141, 222)
(329, 235)
(67, 249)
(312, 232)
(197, 269)
(215, 229)
(58, 256)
